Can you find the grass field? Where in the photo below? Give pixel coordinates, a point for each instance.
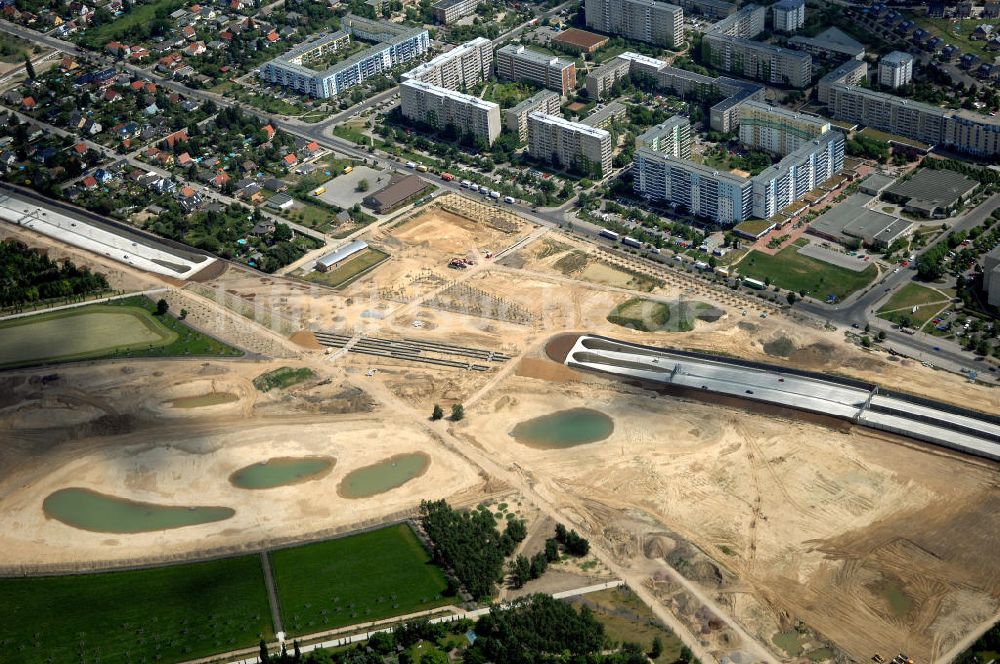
(343, 275)
(369, 576)
(627, 619)
(911, 295)
(165, 614)
(123, 328)
(791, 270)
(962, 38)
(281, 378)
(139, 15)
(645, 316)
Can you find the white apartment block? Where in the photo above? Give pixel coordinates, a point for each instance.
(777, 130)
(643, 20)
(569, 144)
(895, 69)
(449, 11)
(440, 107)
(515, 62)
(758, 60)
(516, 119)
(672, 137)
(463, 66)
(788, 15)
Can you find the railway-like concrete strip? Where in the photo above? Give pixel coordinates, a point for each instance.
(921, 419)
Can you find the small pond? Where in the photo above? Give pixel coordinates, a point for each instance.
(383, 476)
(90, 510)
(202, 400)
(565, 428)
(281, 471)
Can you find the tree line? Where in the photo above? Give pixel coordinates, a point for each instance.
(28, 276)
(469, 544)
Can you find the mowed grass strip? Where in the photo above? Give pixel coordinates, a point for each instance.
(344, 274)
(791, 270)
(165, 614)
(365, 577)
(123, 328)
(98, 36)
(913, 295)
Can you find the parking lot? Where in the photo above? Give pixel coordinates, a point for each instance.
(342, 190)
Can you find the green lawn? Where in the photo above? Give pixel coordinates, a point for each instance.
(122, 328)
(945, 29)
(351, 133)
(927, 300)
(165, 614)
(140, 14)
(365, 577)
(791, 270)
(627, 619)
(343, 275)
(309, 214)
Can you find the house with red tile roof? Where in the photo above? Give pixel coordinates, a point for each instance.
(184, 159)
(290, 159)
(80, 148)
(272, 36)
(117, 49)
(180, 136)
(187, 192)
(28, 103)
(195, 49)
(111, 95)
(220, 179)
(188, 32)
(269, 130)
(136, 85)
(90, 182)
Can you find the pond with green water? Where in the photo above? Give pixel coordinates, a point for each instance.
(281, 471)
(565, 428)
(90, 510)
(383, 476)
(202, 400)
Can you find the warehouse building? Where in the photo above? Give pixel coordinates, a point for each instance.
(851, 223)
(515, 62)
(643, 20)
(340, 256)
(401, 190)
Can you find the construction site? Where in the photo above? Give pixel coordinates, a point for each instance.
(759, 531)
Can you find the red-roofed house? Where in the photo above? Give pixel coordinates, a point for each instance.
(197, 48)
(136, 85)
(272, 36)
(68, 64)
(180, 136)
(220, 179)
(290, 159)
(80, 148)
(90, 182)
(236, 5)
(184, 159)
(117, 49)
(187, 192)
(138, 53)
(188, 32)
(28, 103)
(226, 35)
(269, 130)
(151, 87)
(311, 149)
(111, 95)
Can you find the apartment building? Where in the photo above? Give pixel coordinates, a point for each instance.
(895, 69)
(516, 119)
(440, 107)
(604, 114)
(672, 137)
(515, 62)
(557, 140)
(788, 15)
(746, 23)
(463, 66)
(851, 72)
(600, 80)
(449, 11)
(708, 8)
(726, 198)
(395, 45)
(758, 60)
(777, 130)
(963, 131)
(832, 44)
(649, 21)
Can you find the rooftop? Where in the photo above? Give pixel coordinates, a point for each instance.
(438, 60)
(932, 188)
(558, 120)
(524, 53)
(896, 58)
(833, 39)
(343, 252)
(451, 94)
(581, 38)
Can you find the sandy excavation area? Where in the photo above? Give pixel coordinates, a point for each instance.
(117, 429)
(864, 543)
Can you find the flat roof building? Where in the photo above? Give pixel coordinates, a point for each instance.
(672, 137)
(832, 43)
(579, 40)
(758, 60)
(515, 62)
(465, 65)
(932, 192)
(569, 144)
(643, 20)
(602, 116)
(340, 256)
(449, 11)
(441, 107)
(852, 223)
(395, 45)
(777, 130)
(788, 15)
(895, 69)
(708, 8)
(851, 72)
(516, 119)
(402, 189)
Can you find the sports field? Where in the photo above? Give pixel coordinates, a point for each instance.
(365, 577)
(166, 614)
(124, 328)
(793, 271)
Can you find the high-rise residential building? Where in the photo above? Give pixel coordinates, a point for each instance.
(449, 11)
(726, 198)
(441, 107)
(302, 70)
(463, 66)
(516, 119)
(708, 8)
(788, 15)
(515, 62)
(644, 20)
(671, 137)
(963, 131)
(557, 140)
(604, 115)
(746, 23)
(991, 276)
(777, 130)
(851, 72)
(600, 79)
(895, 69)
(757, 60)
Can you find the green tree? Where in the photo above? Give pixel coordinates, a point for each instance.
(437, 413)
(162, 307)
(790, 296)
(657, 649)
(362, 185)
(457, 412)
(184, 314)
(29, 68)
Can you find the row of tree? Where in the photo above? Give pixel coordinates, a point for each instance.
(469, 545)
(28, 276)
